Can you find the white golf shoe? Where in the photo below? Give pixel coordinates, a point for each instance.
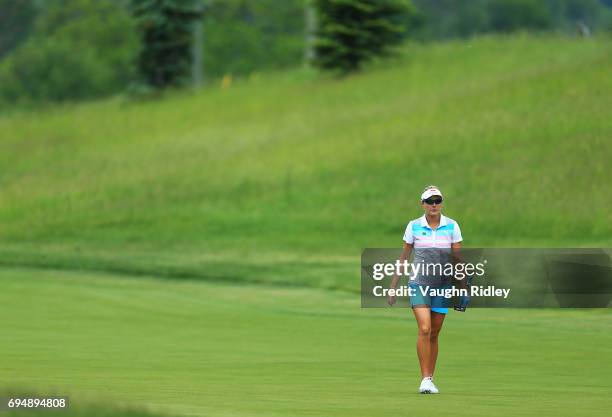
(428, 387)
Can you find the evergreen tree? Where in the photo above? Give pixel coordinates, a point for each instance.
(351, 32)
(16, 20)
(166, 28)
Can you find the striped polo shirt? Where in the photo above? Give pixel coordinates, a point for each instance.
(419, 234)
(432, 246)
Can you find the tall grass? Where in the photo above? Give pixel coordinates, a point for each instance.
(285, 177)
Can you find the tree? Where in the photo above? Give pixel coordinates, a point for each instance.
(511, 15)
(104, 27)
(16, 20)
(166, 28)
(351, 32)
(52, 69)
(245, 36)
(76, 49)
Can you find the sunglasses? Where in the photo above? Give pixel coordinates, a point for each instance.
(432, 201)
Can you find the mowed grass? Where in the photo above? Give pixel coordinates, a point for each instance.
(286, 177)
(206, 349)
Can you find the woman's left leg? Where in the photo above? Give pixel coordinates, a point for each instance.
(437, 319)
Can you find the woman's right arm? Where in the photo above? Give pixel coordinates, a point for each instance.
(403, 257)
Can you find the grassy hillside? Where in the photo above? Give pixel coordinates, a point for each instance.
(187, 348)
(285, 177)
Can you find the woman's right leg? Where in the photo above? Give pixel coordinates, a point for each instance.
(423, 318)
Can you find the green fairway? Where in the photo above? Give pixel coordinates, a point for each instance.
(285, 177)
(189, 348)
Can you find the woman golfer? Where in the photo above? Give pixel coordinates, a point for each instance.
(433, 238)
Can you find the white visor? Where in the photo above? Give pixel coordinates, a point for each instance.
(429, 192)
